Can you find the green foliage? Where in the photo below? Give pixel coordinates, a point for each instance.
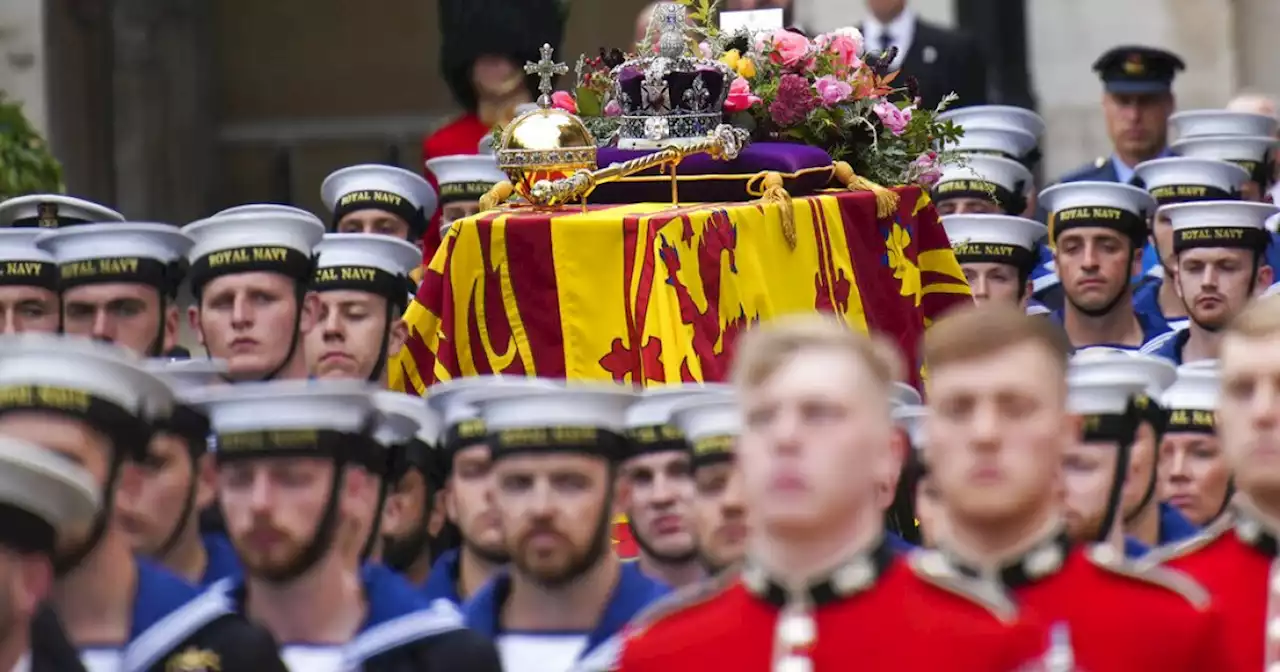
(702, 14)
(26, 164)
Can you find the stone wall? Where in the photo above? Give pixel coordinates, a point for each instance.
(22, 62)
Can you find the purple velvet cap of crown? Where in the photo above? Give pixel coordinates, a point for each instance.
(802, 168)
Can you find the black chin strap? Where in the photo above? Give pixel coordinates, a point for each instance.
(66, 563)
(381, 363)
(322, 538)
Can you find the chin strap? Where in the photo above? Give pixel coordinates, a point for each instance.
(64, 564)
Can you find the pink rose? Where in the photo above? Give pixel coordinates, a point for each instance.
(832, 90)
(844, 47)
(613, 109)
(564, 101)
(892, 117)
(740, 96)
(926, 170)
(705, 50)
(789, 49)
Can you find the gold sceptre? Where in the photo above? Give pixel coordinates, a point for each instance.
(724, 143)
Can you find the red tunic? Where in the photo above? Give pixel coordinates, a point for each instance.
(460, 136)
(906, 620)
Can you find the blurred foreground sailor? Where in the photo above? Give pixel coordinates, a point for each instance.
(999, 473)
(916, 503)
(53, 211)
(814, 456)
(119, 282)
(564, 600)
(400, 417)
(293, 469)
(250, 274)
(94, 405)
(711, 426)
(997, 254)
(1196, 469)
(44, 499)
(28, 285)
(413, 520)
(372, 198)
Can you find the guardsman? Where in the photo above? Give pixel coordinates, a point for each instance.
(1097, 230)
(43, 499)
(362, 281)
(658, 473)
(28, 284)
(711, 427)
(250, 273)
(566, 596)
(998, 430)
(372, 198)
(94, 404)
(414, 517)
(178, 482)
(1219, 250)
(1194, 465)
(294, 458)
(53, 211)
(463, 179)
(814, 456)
(119, 282)
(1115, 392)
(997, 254)
(1171, 181)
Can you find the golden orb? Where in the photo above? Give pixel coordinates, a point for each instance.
(544, 144)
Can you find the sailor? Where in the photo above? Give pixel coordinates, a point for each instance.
(982, 184)
(1193, 463)
(267, 209)
(94, 404)
(414, 518)
(814, 456)
(1110, 390)
(1219, 255)
(565, 598)
(1235, 557)
(711, 425)
(1245, 139)
(372, 198)
(119, 282)
(362, 281)
(286, 452)
(53, 211)
(658, 474)
(1097, 230)
(999, 472)
(43, 499)
(250, 272)
(917, 497)
(463, 179)
(900, 527)
(997, 254)
(28, 284)
(1170, 181)
(401, 417)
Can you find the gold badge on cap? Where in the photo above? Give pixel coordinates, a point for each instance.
(194, 660)
(47, 215)
(1134, 65)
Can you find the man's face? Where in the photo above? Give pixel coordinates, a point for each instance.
(998, 427)
(990, 281)
(1194, 475)
(1142, 463)
(555, 510)
(155, 514)
(886, 8)
(472, 504)
(1253, 192)
(1216, 283)
(815, 443)
(374, 221)
(451, 212)
(1095, 265)
(1137, 123)
(965, 205)
(1248, 421)
(1088, 472)
(662, 489)
(495, 76)
(1162, 237)
(124, 313)
(350, 334)
(251, 320)
(28, 310)
(720, 515)
(930, 512)
(403, 518)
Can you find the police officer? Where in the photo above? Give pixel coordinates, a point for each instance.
(53, 211)
(997, 254)
(28, 284)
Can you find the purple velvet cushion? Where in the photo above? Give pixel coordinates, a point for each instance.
(804, 169)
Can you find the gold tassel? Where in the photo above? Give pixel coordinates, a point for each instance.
(774, 192)
(886, 199)
(497, 195)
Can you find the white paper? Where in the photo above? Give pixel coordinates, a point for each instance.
(754, 20)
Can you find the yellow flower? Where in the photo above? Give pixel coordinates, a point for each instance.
(731, 58)
(904, 269)
(739, 63)
(746, 67)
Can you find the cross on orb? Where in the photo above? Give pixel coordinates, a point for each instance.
(546, 69)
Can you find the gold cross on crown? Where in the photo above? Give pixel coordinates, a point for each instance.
(546, 70)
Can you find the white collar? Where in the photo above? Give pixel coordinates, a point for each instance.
(902, 25)
(24, 663)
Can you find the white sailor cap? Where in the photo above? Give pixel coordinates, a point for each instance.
(649, 420)
(711, 427)
(997, 117)
(1181, 179)
(585, 418)
(134, 252)
(1201, 123)
(401, 418)
(42, 495)
(456, 400)
(990, 178)
(1094, 363)
(1247, 151)
(372, 186)
(368, 262)
(1218, 224)
(1192, 400)
(1110, 205)
(465, 177)
(246, 242)
(1001, 239)
(185, 375)
(1273, 224)
(902, 394)
(1101, 393)
(52, 211)
(268, 209)
(911, 419)
(23, 263)
(1010, 143)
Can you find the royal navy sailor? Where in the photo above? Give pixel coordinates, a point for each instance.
(288, 454)
(94, 404)
(53, 211)
(711, 425)
(414, 518)
(997, 254)
(1196, 470)
(917, 502)
(29, 299)
(463, 180)
(372, 198)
